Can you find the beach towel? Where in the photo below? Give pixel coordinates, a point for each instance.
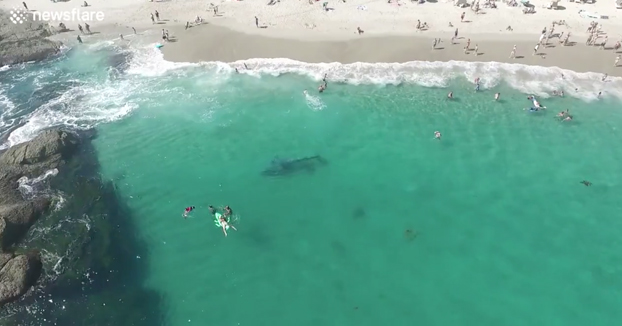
(587, 14)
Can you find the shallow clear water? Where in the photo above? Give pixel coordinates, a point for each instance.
(488, 226)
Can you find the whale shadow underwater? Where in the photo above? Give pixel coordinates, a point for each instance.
(283, 167)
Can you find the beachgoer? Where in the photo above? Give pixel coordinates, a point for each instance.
(228, 212)
(437, 135)
(212, 210)
(497, 96)
(188, 210)
(224, 224)
(450, 95)
(586, 183)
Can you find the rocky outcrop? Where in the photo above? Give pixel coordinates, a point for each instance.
(50, 150)
(17, 276)
(24, 42)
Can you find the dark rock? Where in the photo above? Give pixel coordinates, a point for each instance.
(4, 258)
(24, 42)
(50, 147)
(17, 218)
(17, 276)
(49, 150)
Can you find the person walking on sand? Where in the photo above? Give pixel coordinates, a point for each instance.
(157, 15)
(462, 16)
(80, 29)
(617, 61)
(256, 22)
(152, 19)
(88, 28)
(134, 29)
(476, 49)
(25, 6)
(535, 49)
(513, 53)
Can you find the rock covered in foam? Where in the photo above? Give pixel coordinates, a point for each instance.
(47, 151)
(17, 276)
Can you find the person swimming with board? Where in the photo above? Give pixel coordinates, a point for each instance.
(223, 219)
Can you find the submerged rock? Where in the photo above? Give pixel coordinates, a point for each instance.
(24, 42)
(17, 276)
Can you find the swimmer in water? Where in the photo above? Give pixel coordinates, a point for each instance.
(224, 224)
(497, 96)
(450, 95)
(562, 114)
(437, 135)
(305, 92)
(586, 183)
(228, 212)
(600, 94)
(212, 210)
(567, 118)
(322, 87)
(188, 210)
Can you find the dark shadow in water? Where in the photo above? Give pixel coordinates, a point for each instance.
(104, 262)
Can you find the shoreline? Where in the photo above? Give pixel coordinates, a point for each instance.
(210, 42)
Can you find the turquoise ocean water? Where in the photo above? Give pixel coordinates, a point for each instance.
(488, 226)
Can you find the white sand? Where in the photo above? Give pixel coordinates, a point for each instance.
(297, 19)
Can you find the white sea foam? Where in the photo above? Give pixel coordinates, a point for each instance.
(541, 81)
(314, 102)
(29, 186)
(89, 104)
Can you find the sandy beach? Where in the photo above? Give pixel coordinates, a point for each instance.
(327, 31)
(216, 43)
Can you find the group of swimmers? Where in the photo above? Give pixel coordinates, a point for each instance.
(224, 219)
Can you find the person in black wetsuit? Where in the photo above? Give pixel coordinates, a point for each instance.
(228, 212)
(586, 183)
